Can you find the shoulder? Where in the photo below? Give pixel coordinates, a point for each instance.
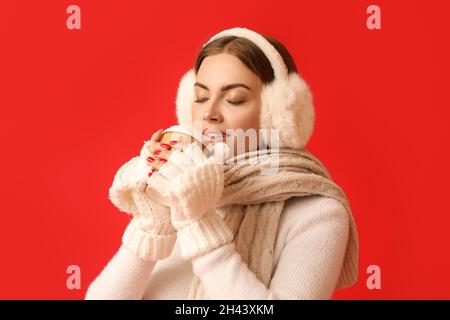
(296, 208)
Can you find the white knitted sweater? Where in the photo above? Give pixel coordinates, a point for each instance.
(308, 256)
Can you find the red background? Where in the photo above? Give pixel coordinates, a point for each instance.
(76, 104)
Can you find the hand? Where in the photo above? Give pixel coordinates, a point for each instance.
(156, 153)
(150, 234)
(190, 180)
(135, 170)
(194, 184)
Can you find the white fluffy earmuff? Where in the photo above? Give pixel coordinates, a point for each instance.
(286, 102)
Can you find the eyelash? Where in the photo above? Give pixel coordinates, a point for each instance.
(230, 102)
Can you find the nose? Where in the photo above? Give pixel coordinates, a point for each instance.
(213, 115)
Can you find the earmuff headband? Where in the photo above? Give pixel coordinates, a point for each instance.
(276, 60)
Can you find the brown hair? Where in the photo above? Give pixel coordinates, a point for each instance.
(249, 53)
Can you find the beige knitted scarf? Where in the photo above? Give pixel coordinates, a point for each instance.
(253, 200)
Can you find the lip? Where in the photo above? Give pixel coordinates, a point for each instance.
(214, 135)
(211, 132)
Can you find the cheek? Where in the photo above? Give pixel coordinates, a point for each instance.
(244, 117)
(197, 114)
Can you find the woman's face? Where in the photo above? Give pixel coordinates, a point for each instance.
(227, 96)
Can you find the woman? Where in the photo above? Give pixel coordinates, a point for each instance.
(232, 232)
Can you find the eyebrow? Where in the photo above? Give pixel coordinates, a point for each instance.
(224, 88)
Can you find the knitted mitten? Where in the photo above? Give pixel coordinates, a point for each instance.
(150, 235)
(200, 235)
(194, 185)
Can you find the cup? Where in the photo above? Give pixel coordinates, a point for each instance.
(179, 133)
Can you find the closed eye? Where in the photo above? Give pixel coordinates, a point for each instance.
(236, 103)
(201, 100)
